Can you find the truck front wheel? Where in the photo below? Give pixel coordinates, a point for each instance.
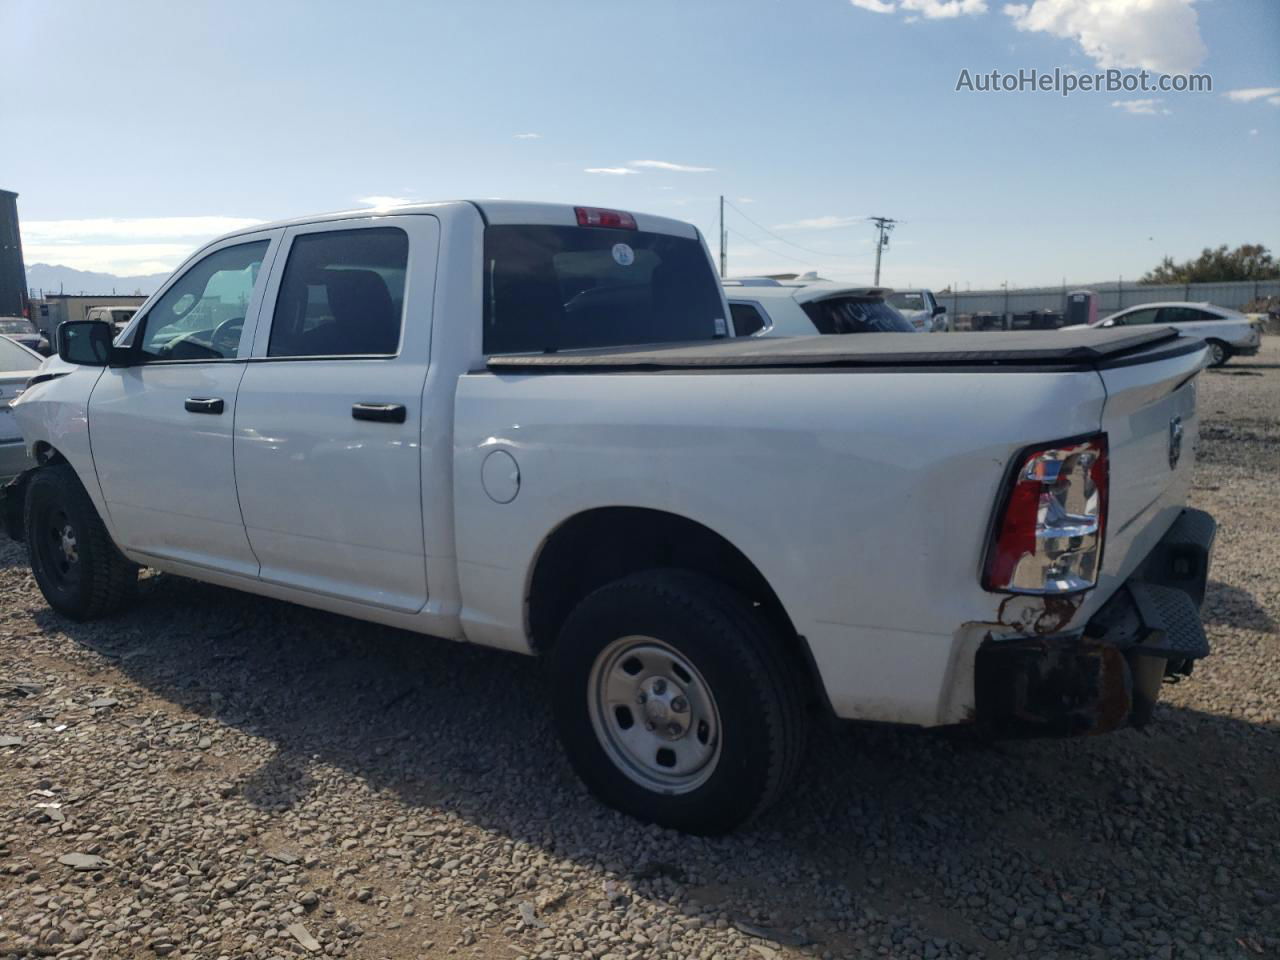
(76, 565)
(676, 701)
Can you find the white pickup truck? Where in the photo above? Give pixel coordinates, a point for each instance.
(524, 426)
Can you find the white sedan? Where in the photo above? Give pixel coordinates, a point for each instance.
(1228, 333)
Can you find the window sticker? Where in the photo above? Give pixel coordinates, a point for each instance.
(722, 328)
(623, 255)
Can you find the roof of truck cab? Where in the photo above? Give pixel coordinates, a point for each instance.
(1032, 349)
(497, 212)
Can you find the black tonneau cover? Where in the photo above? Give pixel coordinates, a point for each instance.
(1070, 349)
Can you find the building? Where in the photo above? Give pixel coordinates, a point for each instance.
(56, 308)
(13, 272)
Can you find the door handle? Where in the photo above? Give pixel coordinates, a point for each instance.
(381, 412)
(204, 404)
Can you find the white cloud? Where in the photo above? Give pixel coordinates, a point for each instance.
(382, 200)
(1160, 35)
(122, 259)
(746, 200)
(611, 171)
(1252, 93)
(929, 9)
(1150, 106)
(944, 9)
(820, 223)
(130, 228)
(528, 136)
(122, 245)
(672, 167)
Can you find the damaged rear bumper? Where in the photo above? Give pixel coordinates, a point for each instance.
(1109, 675)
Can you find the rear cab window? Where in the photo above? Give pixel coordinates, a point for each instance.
(908, 301)
(550, 288)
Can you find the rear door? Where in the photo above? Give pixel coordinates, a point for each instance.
(161, 428)
(330, 418)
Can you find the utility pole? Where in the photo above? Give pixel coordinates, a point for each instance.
(724, 243)
(884, 227)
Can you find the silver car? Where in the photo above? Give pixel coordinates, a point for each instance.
(17, 365)
(1228, 333)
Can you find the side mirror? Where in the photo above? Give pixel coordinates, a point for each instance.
(939, 309)
(1108, 323)
(85, 342)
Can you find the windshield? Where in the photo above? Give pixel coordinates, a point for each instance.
(16, 325)
(14, 357)
(907, 301)
(563, 288)
(856, 315)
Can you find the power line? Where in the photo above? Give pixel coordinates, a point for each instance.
(769, 250)
(819, 253)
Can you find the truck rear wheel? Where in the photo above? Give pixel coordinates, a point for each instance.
(676, 701)
(78, 568)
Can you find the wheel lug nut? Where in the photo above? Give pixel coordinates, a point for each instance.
(674, 729)
(641, 697)
(659, 686)
(679, 704)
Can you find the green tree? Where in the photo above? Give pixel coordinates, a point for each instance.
(1249, 261)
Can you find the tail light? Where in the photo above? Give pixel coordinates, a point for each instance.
(1049, 533)
(597, 217)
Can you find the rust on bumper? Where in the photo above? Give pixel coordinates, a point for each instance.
(1053, 686)
(1056, 679)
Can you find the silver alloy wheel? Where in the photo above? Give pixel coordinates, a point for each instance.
(1217, 354)
(654, 715)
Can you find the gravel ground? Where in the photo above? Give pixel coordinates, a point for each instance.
(216, 775)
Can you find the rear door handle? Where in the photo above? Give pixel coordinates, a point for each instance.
(382, 412)
(204, 404)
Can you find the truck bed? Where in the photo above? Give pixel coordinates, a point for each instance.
(1053, 350)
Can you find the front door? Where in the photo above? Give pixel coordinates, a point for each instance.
(161, 428)
(328, 444)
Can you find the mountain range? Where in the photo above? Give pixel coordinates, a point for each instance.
(52, 278)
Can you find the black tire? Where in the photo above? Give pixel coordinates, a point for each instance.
(756, 690)
(78, 568)
(1219, 353)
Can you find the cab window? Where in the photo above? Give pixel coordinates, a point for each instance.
(342, 294)
(201, 317)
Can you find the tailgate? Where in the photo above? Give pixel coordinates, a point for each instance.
(1150, 420)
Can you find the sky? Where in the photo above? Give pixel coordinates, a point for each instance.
(135, 130)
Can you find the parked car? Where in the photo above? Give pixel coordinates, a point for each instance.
(922, 309)
(17, 364)
(1228, 333)
(525, 426)
(23, 331)
(764, 307)
(118, 317)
